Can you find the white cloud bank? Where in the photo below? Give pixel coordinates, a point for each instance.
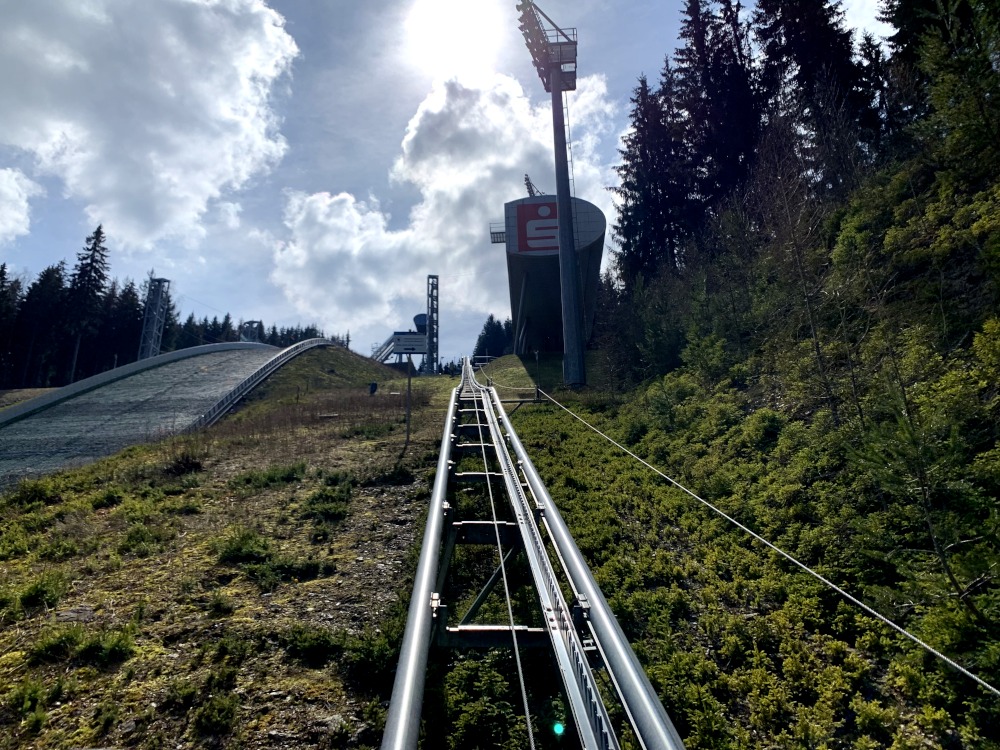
(148, 111)
(466, 151)
(15, 192)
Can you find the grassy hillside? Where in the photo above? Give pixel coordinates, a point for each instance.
(244, 587)
(239, 587)
(745, 649)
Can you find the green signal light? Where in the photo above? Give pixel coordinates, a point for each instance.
(558, 728)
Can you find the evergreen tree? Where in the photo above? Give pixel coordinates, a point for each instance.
(226, 330)
(40, 326)
(653, 205)
(190, 333)
(122, 342)
(961, 56)
(10, 301)
(496, 338)
(716, 91)
(86, 290)
(809, 75)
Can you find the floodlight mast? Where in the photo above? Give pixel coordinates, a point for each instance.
(554, 56)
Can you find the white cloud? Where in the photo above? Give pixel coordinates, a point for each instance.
(465, 151)
(148, 111)
(15, 192)
(229, 214)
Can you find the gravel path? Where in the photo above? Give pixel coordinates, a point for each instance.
(145, 406)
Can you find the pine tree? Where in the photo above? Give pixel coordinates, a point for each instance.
(717, 91)
(86, 290)
(125, 332)
(809, 75)
(653, 203)
(495, 339)
(39, 327)
(171, 327)
(10, 301)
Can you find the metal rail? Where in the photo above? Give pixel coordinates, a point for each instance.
(589, 713)
(650, 721)
(576, 632)
(402, 726)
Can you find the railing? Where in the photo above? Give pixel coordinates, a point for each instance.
(383, 352)
(227, 402)
(645, 713)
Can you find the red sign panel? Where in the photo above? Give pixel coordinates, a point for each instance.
(537, 227)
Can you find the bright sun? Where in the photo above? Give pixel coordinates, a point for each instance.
(454, 38)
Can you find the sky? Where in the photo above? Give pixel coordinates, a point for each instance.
(306, 162)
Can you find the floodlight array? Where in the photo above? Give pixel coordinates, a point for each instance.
(548, 50)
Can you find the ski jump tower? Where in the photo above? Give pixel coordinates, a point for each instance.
(155, 317)
(430, 363)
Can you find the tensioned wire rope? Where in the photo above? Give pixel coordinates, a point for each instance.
(801, 565)
(483, 405)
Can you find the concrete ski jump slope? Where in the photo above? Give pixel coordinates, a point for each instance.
(146, 405)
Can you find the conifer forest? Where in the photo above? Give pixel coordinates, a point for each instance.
(65, 325)
(804, 315)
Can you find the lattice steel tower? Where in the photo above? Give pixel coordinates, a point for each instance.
(431, 358)
(154, 318)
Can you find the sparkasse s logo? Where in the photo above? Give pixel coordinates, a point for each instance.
(537, 227)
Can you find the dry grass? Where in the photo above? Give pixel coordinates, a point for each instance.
(125, 625)
(17, 395)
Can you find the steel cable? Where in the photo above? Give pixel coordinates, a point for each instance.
(819, 577)
(503, 568)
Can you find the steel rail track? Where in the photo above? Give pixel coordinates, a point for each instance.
(577, 633)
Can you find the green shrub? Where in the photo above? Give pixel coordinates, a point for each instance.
(312, 645)
(338, 478)
(16, 541)
(216, 716)
(59, 548)
(184, 506)
(219, 604)
(369, 659)
(181, 695)
(267, 575)
(32, 493)
(244, 545)
(328, 504)
(105, 716)
(107, 648)
(108, 499)
(56, 645)
(36, 720)
(271, 477)
(44, 591)
(142, 540)
(185, 462)
(27, 696)
(234, 648)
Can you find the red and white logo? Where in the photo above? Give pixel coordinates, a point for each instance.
(537, 227)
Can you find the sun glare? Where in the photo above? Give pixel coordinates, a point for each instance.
(454, 38)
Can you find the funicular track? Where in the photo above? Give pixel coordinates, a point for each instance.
(490, 514)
